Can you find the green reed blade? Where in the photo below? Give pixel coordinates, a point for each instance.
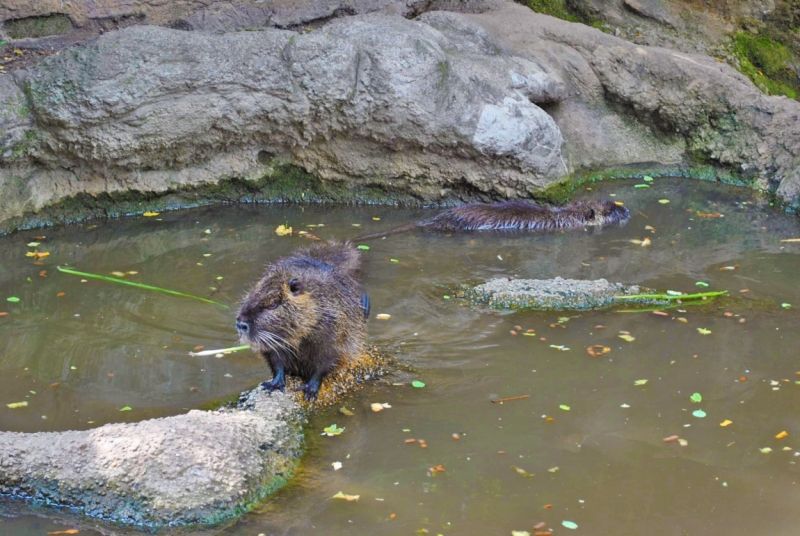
(138, 285)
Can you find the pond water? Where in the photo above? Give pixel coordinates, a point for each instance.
(592, 437)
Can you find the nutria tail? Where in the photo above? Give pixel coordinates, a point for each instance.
(388, 232)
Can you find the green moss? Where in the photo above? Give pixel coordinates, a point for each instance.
(569, 10)
(56, 24)
(767, 63)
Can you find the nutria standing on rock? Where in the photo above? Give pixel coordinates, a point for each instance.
(307, 315)
(519, 215)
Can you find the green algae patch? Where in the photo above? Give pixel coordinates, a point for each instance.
(768, 63)
(35, 27)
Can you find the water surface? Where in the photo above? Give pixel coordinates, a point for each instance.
(78, 359)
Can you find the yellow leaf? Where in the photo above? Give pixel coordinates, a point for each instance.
(18, 52)
(629, 338)
(282, 230)
(348, 498)
(118, 274)
(16, 405)
(150, 214)
(782, 435)
(726, 422)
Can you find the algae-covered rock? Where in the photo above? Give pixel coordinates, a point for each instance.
(551, 294)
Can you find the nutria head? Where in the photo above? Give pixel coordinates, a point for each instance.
(279, 311)
(599, 212)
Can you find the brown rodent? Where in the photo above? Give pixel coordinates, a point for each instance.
(307, 315)
(519, 215)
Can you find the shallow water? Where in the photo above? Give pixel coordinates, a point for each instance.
(109, 346)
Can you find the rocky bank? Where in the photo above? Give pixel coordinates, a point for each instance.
(385, 103)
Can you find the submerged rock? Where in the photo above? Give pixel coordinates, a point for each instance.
(551, 294)
(199, 468)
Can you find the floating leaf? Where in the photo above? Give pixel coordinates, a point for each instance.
(699, 413)
(150, 214)
(446, 297)
(629, 338)
(363, 247)
(683, 442)
(333, 430)
(336, 465)
(564, 407)
(570, 524)
(118, 274)
(560, 347)
(553, 470)
(377, 406)
(436, 469)
(596, 350)
(696, 397)
(641, 186)
(782, 435)
(703, 331)
(13, 299)
(68, 531)
(348, 498)
(701, 284)
(765, 450)
(345, 411)
(16, 405)
(521, 471)
(726, 422)
(670, 439)
(647, 178)
(520, 533)
(126, 408)
(393, 260)
(418, 384)
(383, 316)
(33, 244)
(640, 382)
(281, 230)
(786, 305)
(663, 201)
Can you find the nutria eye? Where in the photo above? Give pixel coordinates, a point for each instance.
(273, 305)
(590, 214)
(295, 286)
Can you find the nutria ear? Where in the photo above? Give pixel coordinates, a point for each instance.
(295, 286)
(590, 214)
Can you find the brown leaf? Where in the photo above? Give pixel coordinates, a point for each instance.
(198, 348)
(61, 294)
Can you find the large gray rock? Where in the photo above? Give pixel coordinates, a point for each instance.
(198, 468)
(500, 103)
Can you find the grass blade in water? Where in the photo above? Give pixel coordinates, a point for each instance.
(670, 297)
(138, 285)
(223, 351)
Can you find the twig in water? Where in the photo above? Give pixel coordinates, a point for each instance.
(497, 400)
(223, 351)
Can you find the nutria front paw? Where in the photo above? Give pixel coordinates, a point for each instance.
(310, 390)
(272, 385)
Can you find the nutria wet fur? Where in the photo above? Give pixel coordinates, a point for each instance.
(307, 315)
(519, 215)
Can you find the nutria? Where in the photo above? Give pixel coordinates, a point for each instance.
(518, 215)
(307, 315)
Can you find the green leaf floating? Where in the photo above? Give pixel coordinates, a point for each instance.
(699, 413)
(126, 408)
(696, 397)
(333, 430)
(13, 299)
(362, 246)
(418, 384)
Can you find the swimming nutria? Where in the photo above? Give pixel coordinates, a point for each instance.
(519, 215)
(307, 315)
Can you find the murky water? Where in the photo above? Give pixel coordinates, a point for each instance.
(78, 359)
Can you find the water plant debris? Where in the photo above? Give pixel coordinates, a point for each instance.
(138, 285)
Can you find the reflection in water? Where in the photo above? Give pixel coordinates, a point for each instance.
(108, 346)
